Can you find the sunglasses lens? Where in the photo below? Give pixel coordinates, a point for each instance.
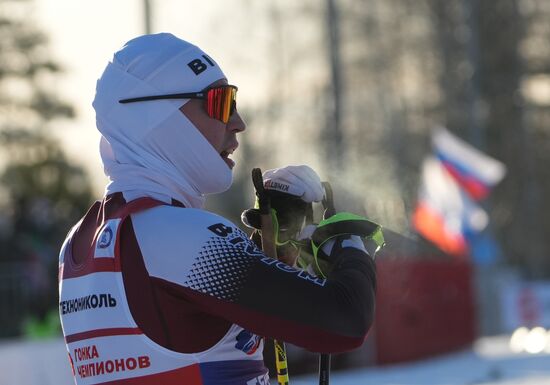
(220, 102)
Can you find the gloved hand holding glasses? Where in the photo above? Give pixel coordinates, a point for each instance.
(291, 191)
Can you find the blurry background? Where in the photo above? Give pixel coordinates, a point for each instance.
(354, 88)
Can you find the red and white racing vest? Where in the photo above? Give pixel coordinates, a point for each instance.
(105, 344)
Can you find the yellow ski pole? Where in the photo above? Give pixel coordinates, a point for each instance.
(269, 248)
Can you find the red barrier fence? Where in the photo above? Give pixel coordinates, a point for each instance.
(424, 307)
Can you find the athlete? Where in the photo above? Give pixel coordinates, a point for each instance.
(156, 290)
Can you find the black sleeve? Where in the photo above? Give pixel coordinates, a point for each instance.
(233, 279)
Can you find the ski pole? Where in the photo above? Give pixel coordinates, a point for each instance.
(324, 358)
(269, 248)
(324, 369)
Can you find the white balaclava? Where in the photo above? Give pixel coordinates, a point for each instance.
(151, 148)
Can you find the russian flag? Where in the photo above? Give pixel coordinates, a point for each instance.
(446, 215)
(474, 171)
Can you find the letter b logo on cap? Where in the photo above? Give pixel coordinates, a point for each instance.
(198, 66)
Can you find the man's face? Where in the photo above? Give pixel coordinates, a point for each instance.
(223, 137)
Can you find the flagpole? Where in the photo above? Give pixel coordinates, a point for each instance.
(147, 14)
(476, 127)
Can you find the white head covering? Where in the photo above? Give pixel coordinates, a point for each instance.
(151, 148)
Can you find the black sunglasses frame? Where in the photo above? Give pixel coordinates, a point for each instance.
(189, 95)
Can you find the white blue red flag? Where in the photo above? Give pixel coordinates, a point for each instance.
(474, 171)
(454, 178)
(445, 214)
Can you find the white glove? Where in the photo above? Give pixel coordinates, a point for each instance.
(300, 181)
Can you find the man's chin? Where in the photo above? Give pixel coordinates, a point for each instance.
(230, 163)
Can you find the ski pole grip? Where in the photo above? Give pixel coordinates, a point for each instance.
(263, 197)
(264, 205)
(328, 201)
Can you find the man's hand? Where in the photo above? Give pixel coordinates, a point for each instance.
(291, 191)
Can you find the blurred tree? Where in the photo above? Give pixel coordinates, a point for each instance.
(484, 66)
(391, 101)
(41, 194)
(501, 68)
(532, 95)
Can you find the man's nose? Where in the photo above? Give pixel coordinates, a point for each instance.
(236, 123)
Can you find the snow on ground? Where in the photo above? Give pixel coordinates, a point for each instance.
(490, 362)
(34, 363)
